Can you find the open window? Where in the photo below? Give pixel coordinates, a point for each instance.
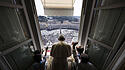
(58, 17)
(103, 30)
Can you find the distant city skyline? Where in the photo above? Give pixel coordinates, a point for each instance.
(59, 18)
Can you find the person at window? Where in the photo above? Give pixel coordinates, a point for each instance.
(38, 64)
(60, 51)
(77, 51)
(74, 51)
(85, 64)
(80, 50)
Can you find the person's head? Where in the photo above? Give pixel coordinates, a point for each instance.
(61, 38)
(84, 58)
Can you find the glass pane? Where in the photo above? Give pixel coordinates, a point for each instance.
(107, 26)
(12, 1)
(9, 1)
(18, 2)
(11, 32)
(109, 2)
(98, 3)
(21, 58)
(98, 54)
(24, 23)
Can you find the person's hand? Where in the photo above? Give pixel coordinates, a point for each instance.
(46, 48)
(74, 44)
(42, 51)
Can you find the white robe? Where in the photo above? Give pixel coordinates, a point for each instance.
(60, 52)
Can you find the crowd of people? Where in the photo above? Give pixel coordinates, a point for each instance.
(60, 52)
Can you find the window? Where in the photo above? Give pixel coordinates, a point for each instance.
(107, 27)
(11, 31)
(19, 57)
(105, 37)
(97, 53)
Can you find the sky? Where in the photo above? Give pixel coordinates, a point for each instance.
(39, 8)
(77, 8)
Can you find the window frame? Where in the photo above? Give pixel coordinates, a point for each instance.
(5, 64)
(86, 25)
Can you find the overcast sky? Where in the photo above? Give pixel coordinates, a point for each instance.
(77, 8)
(39, 8)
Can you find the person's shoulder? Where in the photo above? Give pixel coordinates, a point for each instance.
(64, 43)
(54, 45)
(67, 45)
